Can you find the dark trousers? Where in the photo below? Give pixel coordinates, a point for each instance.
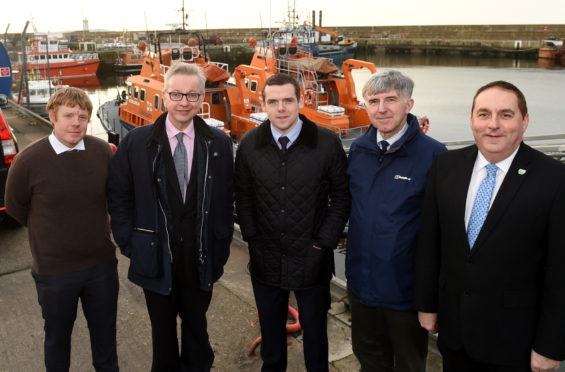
(386, 340)
(58, 295)
(313, 305)
(190, 303)
(460, 361)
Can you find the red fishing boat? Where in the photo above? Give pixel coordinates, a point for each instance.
(49, 58)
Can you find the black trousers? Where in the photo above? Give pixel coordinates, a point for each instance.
(97, 288)
(386, 340)
(313, 305)
(460, 361)
(189, 302)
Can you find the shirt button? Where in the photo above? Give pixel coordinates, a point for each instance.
(158, 180)
(282, 210)
(209, 177)
(205, 212)
(283, 163)
(282, 187)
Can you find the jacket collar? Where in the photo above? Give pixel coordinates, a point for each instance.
(369, 140)
(307, 136)
(201, 129)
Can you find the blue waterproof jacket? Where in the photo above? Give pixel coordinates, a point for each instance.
(387, 191)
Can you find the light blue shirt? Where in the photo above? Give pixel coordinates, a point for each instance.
(292, 135)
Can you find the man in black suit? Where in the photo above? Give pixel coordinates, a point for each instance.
(170, 196)
(490, 265)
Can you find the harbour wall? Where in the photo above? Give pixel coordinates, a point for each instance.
(446, 39)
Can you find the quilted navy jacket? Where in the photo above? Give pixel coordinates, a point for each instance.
(288, 202)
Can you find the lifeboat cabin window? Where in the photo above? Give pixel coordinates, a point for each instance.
(162, 105)
(135, 92)
(156, 102)
(130, 90)
(142, 95)
(175, 54)
(42, 56)
(215, 98)
(187, 54)
(253, 86)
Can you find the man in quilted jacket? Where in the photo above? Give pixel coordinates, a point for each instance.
(292, 203)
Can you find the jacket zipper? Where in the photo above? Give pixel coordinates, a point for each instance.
(201, 251)
(161, 206)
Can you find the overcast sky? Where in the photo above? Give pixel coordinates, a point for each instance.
(58, 15)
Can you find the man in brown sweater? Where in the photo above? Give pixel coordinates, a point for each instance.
(57, 188)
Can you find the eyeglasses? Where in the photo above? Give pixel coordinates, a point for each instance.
(190, 97)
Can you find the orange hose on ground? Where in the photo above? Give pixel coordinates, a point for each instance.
(290, 328)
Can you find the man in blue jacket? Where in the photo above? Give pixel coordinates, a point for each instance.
(170, 194)
(388, 167)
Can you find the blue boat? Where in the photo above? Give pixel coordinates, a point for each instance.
(317, 41)
(5, 72)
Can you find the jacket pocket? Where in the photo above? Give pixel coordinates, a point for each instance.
(145, 256)
(222, 240)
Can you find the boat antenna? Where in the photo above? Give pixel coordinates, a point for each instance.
(206, 20)
(6, 34)
(184, 17)
(23, 74)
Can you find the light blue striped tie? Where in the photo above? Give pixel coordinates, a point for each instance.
(481, 204)
(181, 163)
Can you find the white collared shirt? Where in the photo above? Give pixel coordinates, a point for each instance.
(61, 148)
(292, 135)
(394, 138)
(479, 173)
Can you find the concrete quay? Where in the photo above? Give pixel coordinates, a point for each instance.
(232, 318)
(488, 40)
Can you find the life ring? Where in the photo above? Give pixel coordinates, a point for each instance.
(290, 328)
(309, 97)
(424, 123)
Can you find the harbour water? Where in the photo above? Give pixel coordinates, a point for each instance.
(444, 88)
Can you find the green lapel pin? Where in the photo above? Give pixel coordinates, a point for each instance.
(521, 171)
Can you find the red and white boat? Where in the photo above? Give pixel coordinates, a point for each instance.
(52, 59)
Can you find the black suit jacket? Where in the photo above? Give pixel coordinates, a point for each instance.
(507, 295)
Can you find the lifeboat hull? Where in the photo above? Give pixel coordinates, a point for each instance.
(64, 70)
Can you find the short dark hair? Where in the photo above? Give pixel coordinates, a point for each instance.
(522, 106)
(282, 79)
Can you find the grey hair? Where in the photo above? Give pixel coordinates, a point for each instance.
(181, 68)
(382, 82)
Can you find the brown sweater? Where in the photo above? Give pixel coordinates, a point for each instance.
(62, 200)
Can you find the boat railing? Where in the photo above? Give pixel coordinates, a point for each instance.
(84, 56)
(222, 65)
(551, 144)
(164, 69)
(307, 78)
(205, 111)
